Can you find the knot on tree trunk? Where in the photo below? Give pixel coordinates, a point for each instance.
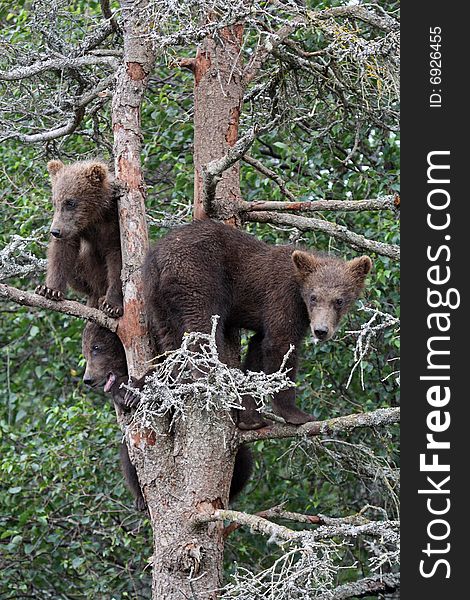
(189, 558)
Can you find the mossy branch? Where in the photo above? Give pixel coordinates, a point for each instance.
(376, 418)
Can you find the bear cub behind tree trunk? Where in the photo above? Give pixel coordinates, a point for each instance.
(85, 250)
(106, 366)
(278, 292)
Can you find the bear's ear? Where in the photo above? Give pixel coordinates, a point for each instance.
(54, 166)
(359, 267)
(96, 173)
(304, 262)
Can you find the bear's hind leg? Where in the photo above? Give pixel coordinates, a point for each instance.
(132, 481)
(250, 418)
(274, 350)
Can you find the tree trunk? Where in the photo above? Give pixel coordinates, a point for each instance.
(131, 83)
(218, 95)
(188, 473)
(188, 470)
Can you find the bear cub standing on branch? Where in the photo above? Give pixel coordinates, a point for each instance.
(106, 365)
(85, 249)
(207, 268)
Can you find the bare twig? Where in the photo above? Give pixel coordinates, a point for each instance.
(51, 134)
(258, 165)
(383, 21)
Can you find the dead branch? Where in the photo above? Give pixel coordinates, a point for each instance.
(254, 522)
(67, 307)
(258, 165)
(386, 583)
(376, 418)
(52, 134)
(385, 203)
(382, 21)
(211, 173)
(339, 232)
(57, 64)
(324, 532)
(271, 43)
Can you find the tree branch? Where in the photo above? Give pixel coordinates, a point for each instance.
(273, 40)
(339, 232)
(278, 512)
(274, 530)
(211, 173)
(385, 203)
(258, 165)
(72, 123)
(376, 418)
(57, 64)
(254, 522)
(51, 134)
(384, 21)
(369, 586)
(67, 307)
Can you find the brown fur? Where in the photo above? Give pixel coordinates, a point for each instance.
(86, 252)
(106, 362)
(208, 268)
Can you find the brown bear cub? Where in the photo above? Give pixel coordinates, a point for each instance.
(106, 366)
(278, 292)
(85, 250)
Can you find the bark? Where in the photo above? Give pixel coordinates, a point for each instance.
(131, 83)
(186, 474)
(218, 95)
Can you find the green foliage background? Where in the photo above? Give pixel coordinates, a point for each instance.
(67, 526)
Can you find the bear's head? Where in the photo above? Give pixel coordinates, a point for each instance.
(329, 286)
(105, 358)
(81, 194)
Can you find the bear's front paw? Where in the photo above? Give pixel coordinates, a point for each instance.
(111, 309)
(49, 293)
(140, 504)
(248, 421)
(131, 400)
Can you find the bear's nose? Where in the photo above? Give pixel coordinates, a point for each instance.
(87, 380)
(56, 233)
(321, 332)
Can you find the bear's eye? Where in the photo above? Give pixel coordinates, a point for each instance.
(313, 299)
(339, 302)
(95, 349)
(70, 203)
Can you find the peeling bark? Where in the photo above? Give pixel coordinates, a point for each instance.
(131, 83)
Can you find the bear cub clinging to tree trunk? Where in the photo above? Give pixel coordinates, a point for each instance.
(207, 268)
(106, 365)
(85, 250)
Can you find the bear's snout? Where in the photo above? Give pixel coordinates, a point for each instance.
(88, 379)
(321, 331)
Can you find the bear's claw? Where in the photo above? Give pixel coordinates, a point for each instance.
(49, 293)
(140, 504)
(112, 311)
